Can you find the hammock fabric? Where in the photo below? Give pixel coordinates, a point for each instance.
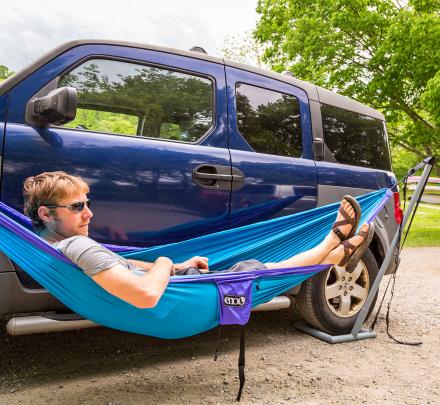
(190, 304)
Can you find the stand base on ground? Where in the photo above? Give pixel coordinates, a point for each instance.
(326, 337)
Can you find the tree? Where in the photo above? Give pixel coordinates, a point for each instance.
(384, 53)
(4, 73)
(244, 49)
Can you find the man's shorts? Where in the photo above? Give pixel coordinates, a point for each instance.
(245, 265)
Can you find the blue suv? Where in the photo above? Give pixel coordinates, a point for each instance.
(177, 144)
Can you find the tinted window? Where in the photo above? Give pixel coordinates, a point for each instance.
(355, 139)
(131, 99)
(269, 121)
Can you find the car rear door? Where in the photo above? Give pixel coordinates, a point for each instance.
(271, 147)
(150, 138)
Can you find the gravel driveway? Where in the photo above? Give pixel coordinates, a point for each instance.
(284, 366)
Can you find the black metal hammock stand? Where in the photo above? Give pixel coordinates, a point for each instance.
(429, 162)
(357, 333)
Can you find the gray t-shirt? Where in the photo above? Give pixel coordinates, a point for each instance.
(91, 257)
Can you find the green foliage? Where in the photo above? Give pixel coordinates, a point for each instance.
(103, 121)
(5, 73)
(403, 160)
(244, 49)
(381, 52)
(170, 131)
(425, 229)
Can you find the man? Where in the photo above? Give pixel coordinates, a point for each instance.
(58, 206)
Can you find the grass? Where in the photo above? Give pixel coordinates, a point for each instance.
(425, 229)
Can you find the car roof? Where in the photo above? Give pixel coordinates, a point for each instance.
(313, 92)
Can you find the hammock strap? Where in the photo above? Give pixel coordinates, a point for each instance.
(217, 349)
(241, 361)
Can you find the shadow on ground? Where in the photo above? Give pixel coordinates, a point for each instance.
(31, 360)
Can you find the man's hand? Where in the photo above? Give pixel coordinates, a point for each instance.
(199, 262)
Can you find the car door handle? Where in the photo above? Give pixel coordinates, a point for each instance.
(237, 178)
(213, 176)
(218, 177)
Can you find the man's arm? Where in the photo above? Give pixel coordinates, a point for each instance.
(141, 291)
(141, 264)
(197, 261)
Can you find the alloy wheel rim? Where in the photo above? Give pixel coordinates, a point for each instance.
(345, 293)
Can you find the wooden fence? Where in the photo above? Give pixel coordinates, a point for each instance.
(432, 190)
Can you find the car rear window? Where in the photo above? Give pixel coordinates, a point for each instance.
(355, 139)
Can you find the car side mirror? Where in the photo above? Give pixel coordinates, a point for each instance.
(318, 149)
(57, 108)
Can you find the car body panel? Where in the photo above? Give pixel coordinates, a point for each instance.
(16, 298)
(142, 187)
(339, 175)
(270, 178)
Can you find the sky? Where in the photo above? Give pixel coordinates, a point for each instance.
(29, 29)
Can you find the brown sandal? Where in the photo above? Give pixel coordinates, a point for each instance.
(351, 260)
(354, 222)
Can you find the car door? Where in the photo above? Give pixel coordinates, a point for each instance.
(3, 108)
(270, 144)
(149, 137)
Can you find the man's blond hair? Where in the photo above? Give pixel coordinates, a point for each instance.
(49, 188)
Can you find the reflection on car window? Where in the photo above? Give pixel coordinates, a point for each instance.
(131, 99)
(269, 121)
(355, 139)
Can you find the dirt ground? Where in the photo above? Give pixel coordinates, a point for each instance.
(284, 366)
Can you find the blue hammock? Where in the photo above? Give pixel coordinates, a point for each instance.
(190, 304)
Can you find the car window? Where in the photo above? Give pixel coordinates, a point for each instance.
(355, 139)
(131, 99)
(270, 121)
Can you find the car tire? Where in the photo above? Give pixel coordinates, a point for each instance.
(331, 300)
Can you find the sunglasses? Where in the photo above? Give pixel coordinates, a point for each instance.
(74, 207)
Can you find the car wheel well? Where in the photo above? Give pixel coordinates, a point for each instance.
(377, 249)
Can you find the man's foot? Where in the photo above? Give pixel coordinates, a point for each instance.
(346, 221)
(342, 254)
